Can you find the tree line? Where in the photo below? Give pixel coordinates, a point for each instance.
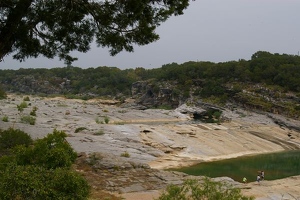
(279, 70)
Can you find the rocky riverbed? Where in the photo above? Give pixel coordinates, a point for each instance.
(123, 150)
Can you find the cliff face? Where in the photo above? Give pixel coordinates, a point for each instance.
(28, 84)
(254, 97)
(149, 95)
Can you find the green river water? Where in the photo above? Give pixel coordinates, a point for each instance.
(275, 165)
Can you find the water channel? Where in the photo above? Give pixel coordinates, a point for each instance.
(275, 165)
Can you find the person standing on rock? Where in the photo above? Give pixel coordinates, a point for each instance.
(262, 175)
(244, 180)
(258, 178)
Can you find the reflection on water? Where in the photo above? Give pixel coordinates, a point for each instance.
(275, 166)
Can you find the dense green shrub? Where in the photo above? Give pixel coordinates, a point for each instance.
(2, 94)
(33, 112)
(77, 130)
(100, 132)
(26, 98)
(41, 170)
(125, 154)
(27, 119)
(106, 119)
(202, 190)
(51, 152)
(5, 118)
(22, 106)
(33, 182)
(11, 138)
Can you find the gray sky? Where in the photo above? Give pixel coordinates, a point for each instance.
(210, 30)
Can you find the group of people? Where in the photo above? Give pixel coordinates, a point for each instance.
(260, 177)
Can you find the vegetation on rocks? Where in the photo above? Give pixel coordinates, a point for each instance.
(22, 106)
(27, 119)
(5, 118)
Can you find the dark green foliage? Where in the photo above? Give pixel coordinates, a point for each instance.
(26, 98)
(56, 28)
(34, 182)
(27, 119)
(2, 94)
(212, 116)
(33, 112)
(164, 107)
(22, 106)
(5, 118)
(51, 152)
(106, 119)
(11, 138)
(41, 170)
(202, 190)
(77, 130)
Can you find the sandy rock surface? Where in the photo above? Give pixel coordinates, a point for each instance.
(157, 139)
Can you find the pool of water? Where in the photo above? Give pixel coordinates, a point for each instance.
(275, 165)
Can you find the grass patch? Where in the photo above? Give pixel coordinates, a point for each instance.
(61, 105)
(22, 106)
(77, 130)
(100, 132)
(122, 111)
(33, 112)
(164, 107)
(5, 118)
(106, 119)
(98, 121)
(94, 158)
(27, 119)
(125, 154)
(26, 98)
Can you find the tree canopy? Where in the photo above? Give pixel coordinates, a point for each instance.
(29, 28)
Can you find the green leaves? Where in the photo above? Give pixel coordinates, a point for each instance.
(51, 152)
(204, 189)
(34, 182)
(40, 170)
(55, 27)
(2, 93)
(11, 138)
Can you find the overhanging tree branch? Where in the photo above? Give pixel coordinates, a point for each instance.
(7, 33)
(57, 27)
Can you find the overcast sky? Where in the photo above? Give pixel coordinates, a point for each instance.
(210, 30)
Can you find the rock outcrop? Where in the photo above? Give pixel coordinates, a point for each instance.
(150, 95)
